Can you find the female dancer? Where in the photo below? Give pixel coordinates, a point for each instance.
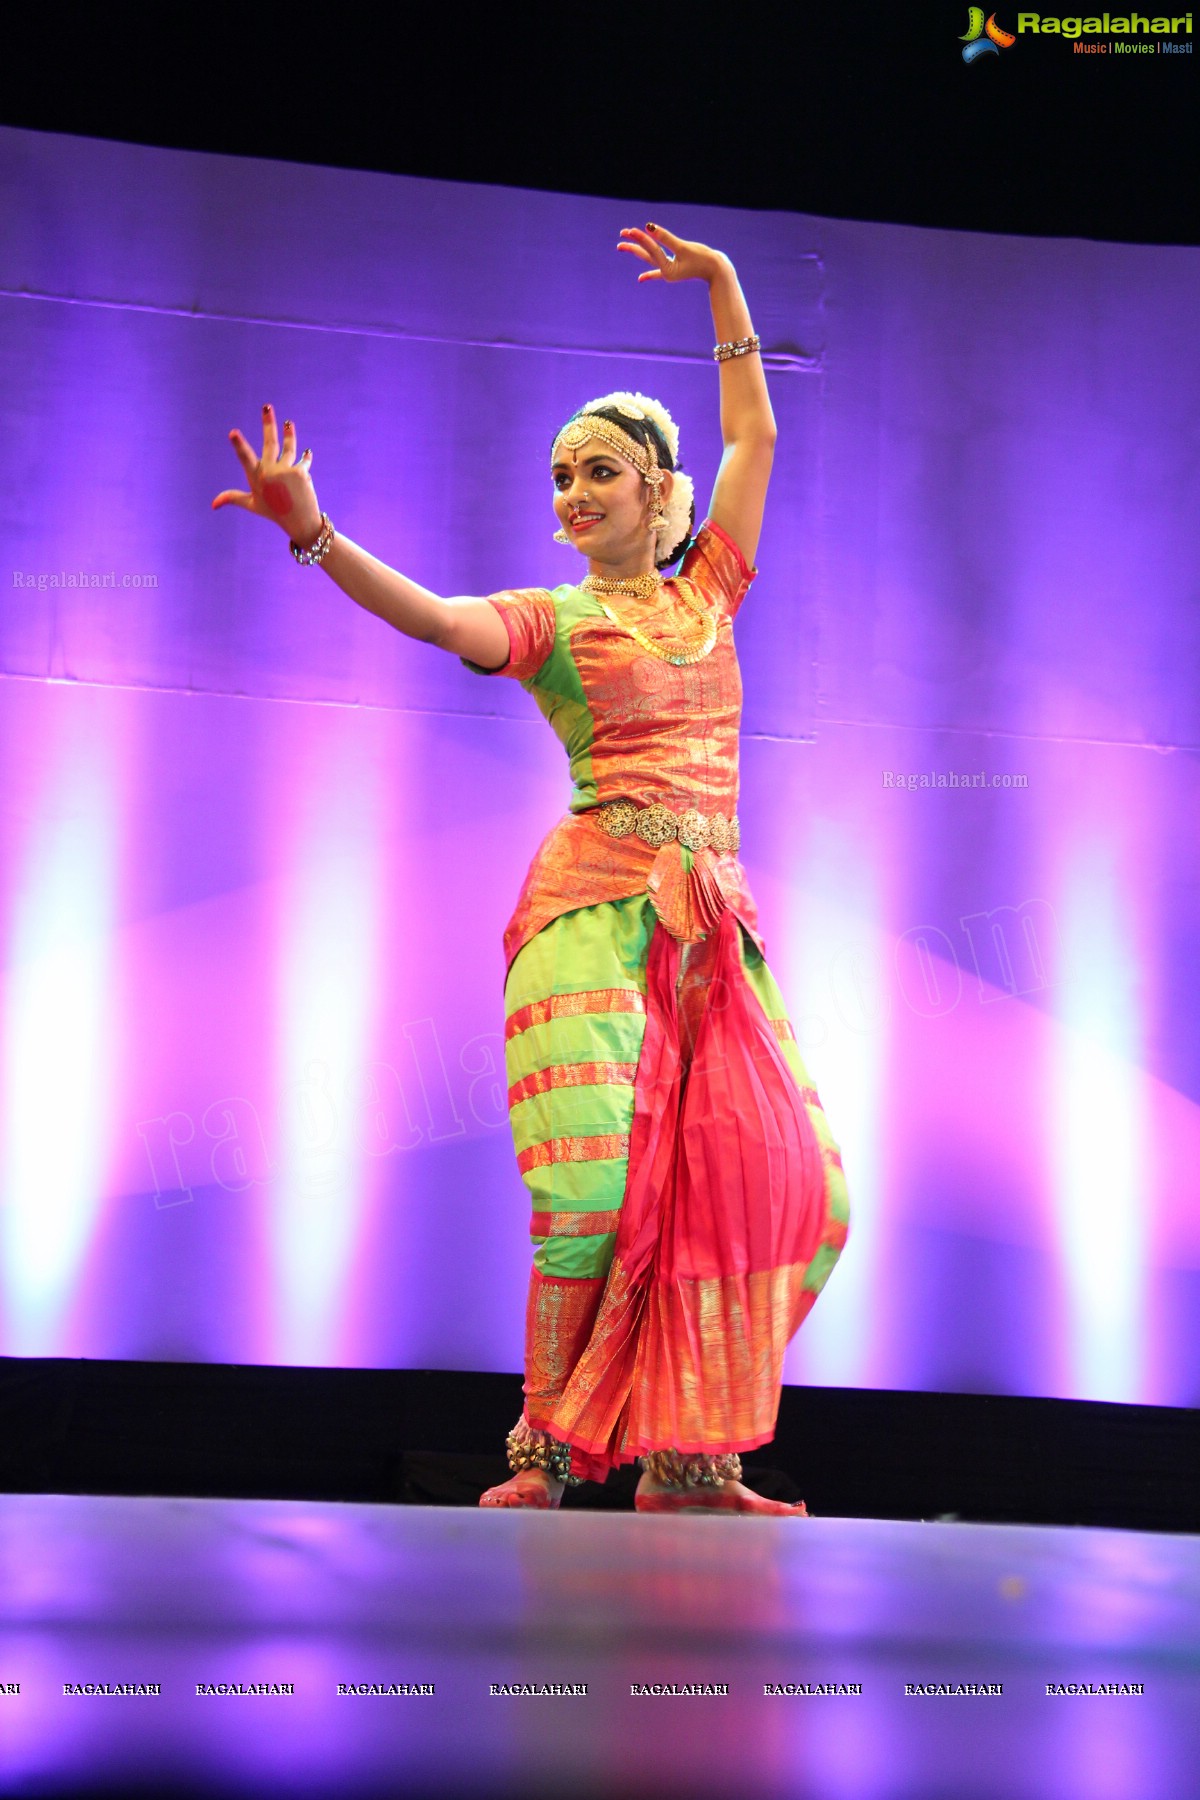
(688, 1196)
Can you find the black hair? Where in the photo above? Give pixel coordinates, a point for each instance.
(646, 432)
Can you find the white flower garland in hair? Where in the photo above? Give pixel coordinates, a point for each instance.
(678, 509)
(640, 406)
(678, 514)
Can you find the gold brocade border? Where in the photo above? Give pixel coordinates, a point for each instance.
(707, 1370)
(573, 1224)
(560, 1075)
(568, 1006)
(574, 1149)
(558, 1320)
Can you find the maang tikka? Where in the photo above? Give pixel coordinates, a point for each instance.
(644, 458)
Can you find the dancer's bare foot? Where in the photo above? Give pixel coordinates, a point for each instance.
(530, 1487)
(730, 1497)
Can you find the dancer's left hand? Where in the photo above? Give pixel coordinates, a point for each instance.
(671, 258)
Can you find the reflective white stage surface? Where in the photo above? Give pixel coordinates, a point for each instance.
(183, 1594)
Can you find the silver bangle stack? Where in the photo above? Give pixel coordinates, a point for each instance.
(320, 550)
(739, 347)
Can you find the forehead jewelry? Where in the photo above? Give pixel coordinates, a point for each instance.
(644, 457)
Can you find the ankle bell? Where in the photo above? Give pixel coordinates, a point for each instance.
(673, 1469)
(529, 1448)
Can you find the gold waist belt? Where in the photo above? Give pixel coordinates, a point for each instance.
(657, 825)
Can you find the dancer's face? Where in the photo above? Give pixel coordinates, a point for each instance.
(602, 503)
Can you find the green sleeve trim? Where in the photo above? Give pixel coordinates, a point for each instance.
(559, 693)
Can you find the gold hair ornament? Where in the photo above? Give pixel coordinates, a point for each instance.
(644, 457)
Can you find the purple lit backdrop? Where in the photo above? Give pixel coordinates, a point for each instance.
(258, 850)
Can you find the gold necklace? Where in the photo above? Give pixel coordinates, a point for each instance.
(638, 587)
(684, 650)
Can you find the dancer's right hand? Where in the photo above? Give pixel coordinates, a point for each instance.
(280, 484)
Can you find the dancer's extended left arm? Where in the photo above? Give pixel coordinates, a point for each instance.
(747, 422)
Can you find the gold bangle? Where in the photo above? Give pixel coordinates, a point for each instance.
(738, 347)
(320, 550)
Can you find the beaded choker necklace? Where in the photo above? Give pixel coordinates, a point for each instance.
(641, 587)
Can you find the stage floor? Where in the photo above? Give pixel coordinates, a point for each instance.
(310, 1598)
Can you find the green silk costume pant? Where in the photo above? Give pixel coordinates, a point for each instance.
(576, 1012)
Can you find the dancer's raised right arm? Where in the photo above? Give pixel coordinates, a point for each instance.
(281, 489)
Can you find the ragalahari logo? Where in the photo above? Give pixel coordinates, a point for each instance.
(983, 38)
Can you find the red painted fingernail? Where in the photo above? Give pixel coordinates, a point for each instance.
(652, 228)
(288, 426)
(266, 406)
